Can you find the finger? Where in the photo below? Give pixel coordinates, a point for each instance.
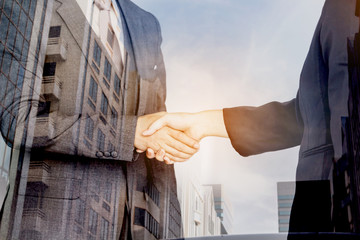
(150, 153)
(171, 159)
(176, 154)
(188, 144)
(160, 155)
(168, 161)
(158, 124)
(139, 151)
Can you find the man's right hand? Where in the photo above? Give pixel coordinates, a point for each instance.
(166, 143)
(197, 125)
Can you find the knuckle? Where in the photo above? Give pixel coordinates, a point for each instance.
(158, 158)
(192, 151)
(180, 147)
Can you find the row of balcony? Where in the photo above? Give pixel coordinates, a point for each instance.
(57, 48)
(51, 89)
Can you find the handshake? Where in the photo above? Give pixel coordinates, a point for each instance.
(175, 137)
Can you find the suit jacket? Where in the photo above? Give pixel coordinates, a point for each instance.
(80, 176)
(143, 88)
(312, 119)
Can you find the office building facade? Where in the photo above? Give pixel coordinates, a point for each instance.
(223, 208)
(22, 54)
(77, 65)
(198, 209)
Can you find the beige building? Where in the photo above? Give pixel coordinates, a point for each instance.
(80, 72)
(198, 208)
(212, 223)
(223, 208)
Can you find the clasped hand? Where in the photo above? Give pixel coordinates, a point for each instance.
(169, 143)
(174, 137)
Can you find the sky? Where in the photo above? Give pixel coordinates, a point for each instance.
(227, 53)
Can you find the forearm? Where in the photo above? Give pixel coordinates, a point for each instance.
(74, 134)
(270, 127)
(210, 123)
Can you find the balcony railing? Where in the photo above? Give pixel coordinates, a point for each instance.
(51, 87)
(34, 212)
(44, 129)
(57, 48)
(39, 172)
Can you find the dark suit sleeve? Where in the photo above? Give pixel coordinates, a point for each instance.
(271, 127)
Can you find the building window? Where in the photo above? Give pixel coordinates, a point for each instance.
(93, 89)
(78, 229)
(107, 70)
(211, 225)
(283, 229)
(93, 217)
(107, 191)
(89, 128)
(80, 212)
(284, 213)
(43, 109)
(285, 205)
(285, 197)
(175, 216)
(104, 104)
(111, 147)
(153, 193)
(14, 71)
(15, 13)
(11, 36)
(106, 206)
(49, 69)
(31, 234)
(284, 221)
(54, 32)
(110, 37)
(18, 46)
(4, 24)
(144, 219)
(34, 195)
(117, 84)
(114, 117)
(96, 186)
(101, 140)
(104, 229)
(96, 57)
(139, 217)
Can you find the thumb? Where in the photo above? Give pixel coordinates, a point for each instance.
(158, 124)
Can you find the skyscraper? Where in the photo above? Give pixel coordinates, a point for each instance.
(23, 37)
(285, 197)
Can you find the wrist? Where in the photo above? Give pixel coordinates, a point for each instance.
(201, 126)
(211, 123)
(138, 143)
